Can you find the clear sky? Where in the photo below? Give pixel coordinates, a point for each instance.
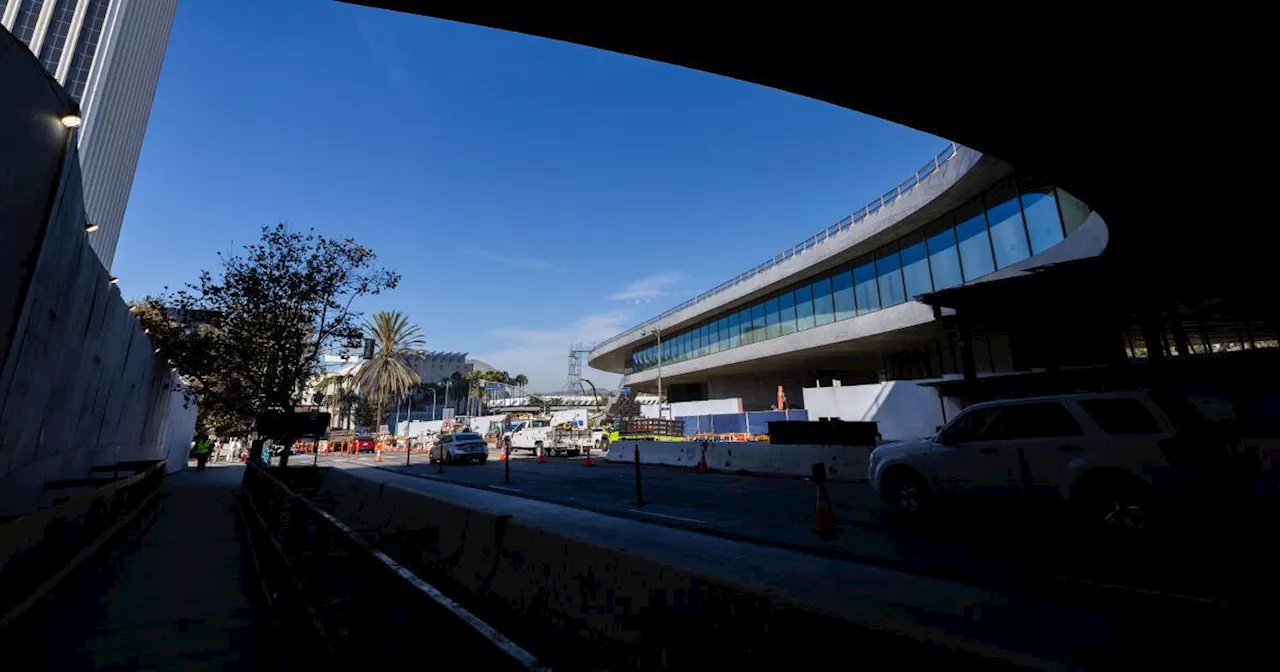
(531, 193)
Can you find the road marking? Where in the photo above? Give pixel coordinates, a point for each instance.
(503, 487)
(663, 515)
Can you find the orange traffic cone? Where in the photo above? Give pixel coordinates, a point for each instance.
(377, 455)
(542, 457)
(702, 461)
(587, 462)
(502, 454)
(824, 518)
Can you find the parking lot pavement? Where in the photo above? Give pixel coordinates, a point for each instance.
(974, 544)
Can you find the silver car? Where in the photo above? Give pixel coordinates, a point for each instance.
(461, 447)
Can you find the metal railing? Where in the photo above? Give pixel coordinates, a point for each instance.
(835, 230)
(39, 550)
(346, 603)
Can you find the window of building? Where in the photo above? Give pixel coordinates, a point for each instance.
(735, 335)
(823, 310)
(757, 322)
(85, 47)
(1074, 211)
(1040, 209)
(804, 307)
(704, 341)
(24, 25)
(1120, 415)
(714, 332)
(842, 294)
(915, 268)
(723, 326)
(55, 38)
(1004, 217)
(889, 277)
(771, 318)
(973, 241)
(787, 313)
(944, 260)
(865, 292)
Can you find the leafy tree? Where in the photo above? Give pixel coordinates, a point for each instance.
(249, 340)
(520, 380)
(389, 375)
(365, 415)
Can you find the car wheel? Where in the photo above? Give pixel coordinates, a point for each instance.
(1118, 503)
(906, 493)
(482, 460)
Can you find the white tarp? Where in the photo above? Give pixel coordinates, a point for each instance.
(902, 409)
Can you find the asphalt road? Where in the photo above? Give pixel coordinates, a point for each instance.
(983, 545)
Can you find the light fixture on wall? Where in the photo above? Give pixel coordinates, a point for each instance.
(146, 331)
(157, 351)
(113, 280)
(90, 227)
(70, 120)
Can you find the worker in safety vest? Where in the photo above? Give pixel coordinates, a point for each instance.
(204, 445)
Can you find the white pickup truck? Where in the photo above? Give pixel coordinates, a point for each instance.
(528, 435)
(553, 438)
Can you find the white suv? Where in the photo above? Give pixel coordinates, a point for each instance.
(1111, 452)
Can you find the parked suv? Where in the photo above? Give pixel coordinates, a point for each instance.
(1111, 453)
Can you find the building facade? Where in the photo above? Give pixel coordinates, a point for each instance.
(107, 54)
(842, 305)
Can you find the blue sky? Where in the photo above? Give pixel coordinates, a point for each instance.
(531, 193)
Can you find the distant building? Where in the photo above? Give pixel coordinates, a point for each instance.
(107, 54)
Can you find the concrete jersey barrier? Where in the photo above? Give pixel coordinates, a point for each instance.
(594, 579)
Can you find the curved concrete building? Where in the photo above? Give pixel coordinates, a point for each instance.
(841, 305)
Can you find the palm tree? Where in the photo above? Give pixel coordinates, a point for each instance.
(520, 380)
(339, 396)
(389, 374)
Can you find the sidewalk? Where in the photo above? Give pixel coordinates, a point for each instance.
(172, 597)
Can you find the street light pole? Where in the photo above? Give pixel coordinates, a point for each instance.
(433, 403)
(658, 332)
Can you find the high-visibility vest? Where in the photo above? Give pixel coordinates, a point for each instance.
(614, 436)
(203, 447)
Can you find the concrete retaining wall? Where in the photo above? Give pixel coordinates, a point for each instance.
(79, 383)
(844, 463)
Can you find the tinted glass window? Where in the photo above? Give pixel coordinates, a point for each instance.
(1040, 209)
(975, 245)
(865, 292)
(1004, 215)
(734, 330)
(757, 322)
(915, 268)
(823, 311)
(714, 332)
(787, 313)
(704, 340)
(968, 426)
(1120, 415)
(889, 277)
(1074, 211)
(842, 295)
(944, 261)
(1040, 420)
(722, 331)
(804, 308)
(771, 318)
